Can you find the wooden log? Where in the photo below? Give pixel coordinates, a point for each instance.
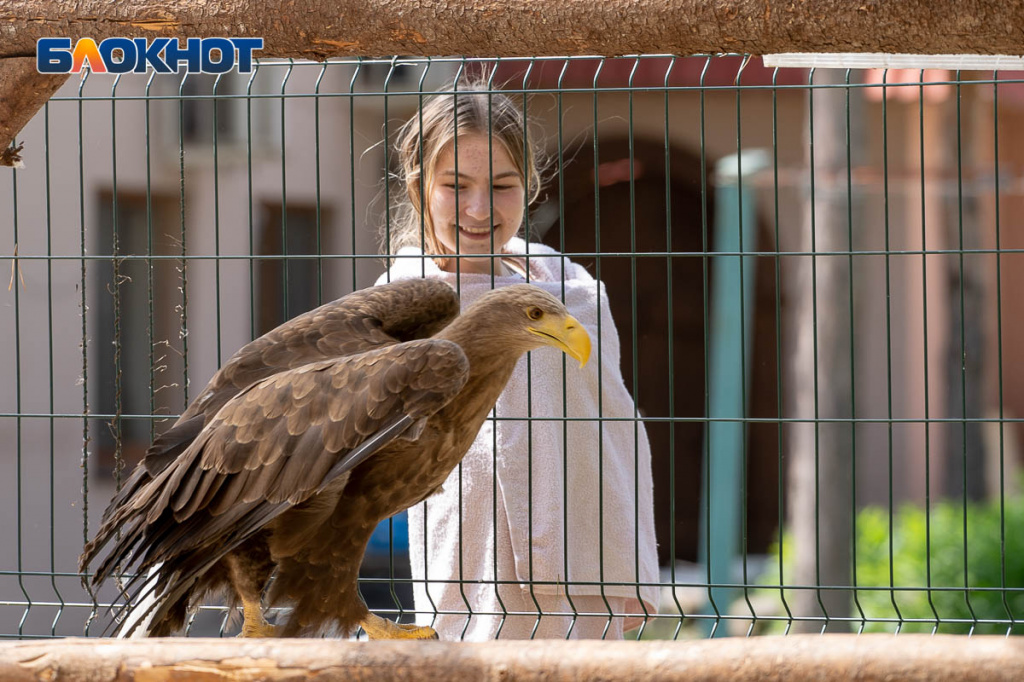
(501, 28)
(793, 658)
(23, 91)
(322, 28)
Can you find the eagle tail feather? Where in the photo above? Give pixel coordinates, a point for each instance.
(138, 614)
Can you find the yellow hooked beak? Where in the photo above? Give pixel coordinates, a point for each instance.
(566, 334)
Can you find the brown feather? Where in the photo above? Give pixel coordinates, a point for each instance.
(208, 488)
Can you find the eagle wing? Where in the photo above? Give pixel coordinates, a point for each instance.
(377, 317)
(276, 444)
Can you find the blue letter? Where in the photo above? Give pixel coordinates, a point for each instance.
(245, 49)
(227, 55)
(128, 58)
(150, 54)
(53, 55)
(175, 55)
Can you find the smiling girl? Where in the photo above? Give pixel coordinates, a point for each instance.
(547, 527)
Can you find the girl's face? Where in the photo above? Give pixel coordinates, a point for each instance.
(486, 179)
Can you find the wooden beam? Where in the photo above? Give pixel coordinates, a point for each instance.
(793, 658)
(319, 29)
(323, 28)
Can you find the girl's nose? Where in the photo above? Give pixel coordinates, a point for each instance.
(476, 204)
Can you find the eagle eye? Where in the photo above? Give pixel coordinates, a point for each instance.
(535, 313)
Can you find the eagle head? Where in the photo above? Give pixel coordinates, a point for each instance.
(529, 317)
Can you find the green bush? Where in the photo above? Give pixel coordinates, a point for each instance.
(923, 572)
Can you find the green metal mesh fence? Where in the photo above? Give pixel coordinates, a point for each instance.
(812, 276)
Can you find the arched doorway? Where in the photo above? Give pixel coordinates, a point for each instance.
(668, 378)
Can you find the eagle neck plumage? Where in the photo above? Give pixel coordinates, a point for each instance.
(488, 371)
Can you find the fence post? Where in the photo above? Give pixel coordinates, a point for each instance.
(730, 341)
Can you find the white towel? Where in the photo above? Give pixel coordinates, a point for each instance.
(573, 511)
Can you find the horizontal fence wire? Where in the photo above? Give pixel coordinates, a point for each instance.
(807, 272)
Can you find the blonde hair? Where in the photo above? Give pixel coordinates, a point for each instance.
(460, 109)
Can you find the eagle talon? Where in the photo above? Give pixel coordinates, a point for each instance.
(258, 630)
(382, 628)
(253, 623)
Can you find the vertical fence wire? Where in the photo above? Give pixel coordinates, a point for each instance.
(963, 337)
(999, 354)
(781, 497)
(888, 352)
(924, 308)
(50, 401)
(15, 265)
(812, 181)
(562, 241)
(183, 244)
(853, 355)
(670, 345)
(706, 331)
(744, 332)
(635, 388)
(215, 106)
(84, 345)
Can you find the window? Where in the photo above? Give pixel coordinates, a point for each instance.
(290, 285)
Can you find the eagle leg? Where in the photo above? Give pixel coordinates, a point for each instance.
(249, 569)
(253, 623)
(382, 628)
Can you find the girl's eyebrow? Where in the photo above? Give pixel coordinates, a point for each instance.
(499, 176)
